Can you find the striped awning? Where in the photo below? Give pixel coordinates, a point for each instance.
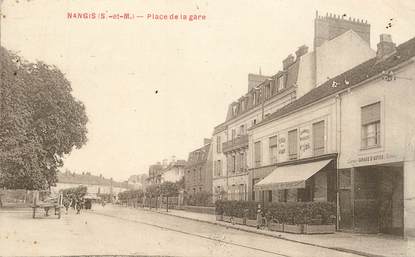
(291, 176)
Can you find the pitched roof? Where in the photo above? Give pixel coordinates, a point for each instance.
(86, 179)
(354, 76)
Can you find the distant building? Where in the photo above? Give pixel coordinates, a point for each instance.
(174, 172)
(154, 173)
(138, 181)
(95, 184)
(171, 171)
(198, 171)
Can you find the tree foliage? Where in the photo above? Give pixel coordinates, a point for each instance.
(74, 192)
(169, 189)
(40, 123)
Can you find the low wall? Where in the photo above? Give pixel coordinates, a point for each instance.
(199, 209)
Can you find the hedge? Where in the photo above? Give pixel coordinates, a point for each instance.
(281, 212)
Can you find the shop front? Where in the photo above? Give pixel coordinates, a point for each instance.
(306, 180)
(371, 199)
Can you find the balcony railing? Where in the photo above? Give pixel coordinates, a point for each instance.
(238, 142)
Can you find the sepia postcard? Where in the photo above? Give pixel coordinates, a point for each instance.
(207, 128)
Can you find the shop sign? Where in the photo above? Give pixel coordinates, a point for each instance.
(282, 147)
(305, 142)
(374, 158)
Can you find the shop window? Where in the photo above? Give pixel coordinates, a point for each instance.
(273, 146)
(292, 144)
(282, 195)
(318, 138)
(371, 126)
(257, 152)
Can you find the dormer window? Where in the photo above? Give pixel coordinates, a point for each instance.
(281, 83)
(234, 110)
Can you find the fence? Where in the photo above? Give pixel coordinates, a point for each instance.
(18, 197)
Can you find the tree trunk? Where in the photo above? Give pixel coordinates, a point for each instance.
(167, 204)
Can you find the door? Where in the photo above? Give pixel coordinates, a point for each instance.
(346, 211)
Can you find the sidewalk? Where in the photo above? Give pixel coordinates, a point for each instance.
(362, 244)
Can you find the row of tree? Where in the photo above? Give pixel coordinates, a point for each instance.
(40, 122)
(166, 189)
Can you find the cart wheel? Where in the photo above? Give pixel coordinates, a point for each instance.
(34, 212)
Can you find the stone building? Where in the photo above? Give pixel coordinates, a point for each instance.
(95, 184)
(198, 170)
(350, 141)
(232, 154)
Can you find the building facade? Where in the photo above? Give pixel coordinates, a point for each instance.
(96, 185)
(233, 154)
(350, 141)
(198, 170)
(174, 171)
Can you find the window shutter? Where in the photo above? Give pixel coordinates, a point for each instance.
(273, 141)
(292, 142)
(318, 137)
(371, 113)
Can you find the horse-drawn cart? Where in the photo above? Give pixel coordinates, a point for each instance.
(54, 203)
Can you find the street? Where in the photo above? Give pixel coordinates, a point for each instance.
(116, 230)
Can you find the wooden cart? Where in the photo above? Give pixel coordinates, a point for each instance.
(53, 203)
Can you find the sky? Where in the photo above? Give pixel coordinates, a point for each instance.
(197, 67)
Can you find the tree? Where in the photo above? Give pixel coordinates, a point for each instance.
(40, 123)
(169, 189)
(152, 191)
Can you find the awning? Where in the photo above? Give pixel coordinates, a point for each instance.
(291, 176)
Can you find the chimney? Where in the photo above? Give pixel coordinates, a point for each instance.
(206, 141)
(288, 61)
(385, 47)
(302, 50)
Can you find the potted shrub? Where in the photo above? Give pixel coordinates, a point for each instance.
(227, 211)
(321, 218)
(250, 214)
(219, 210)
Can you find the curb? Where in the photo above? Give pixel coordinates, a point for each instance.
(339, 249)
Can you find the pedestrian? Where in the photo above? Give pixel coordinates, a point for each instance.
(66, 204)
(259, 217)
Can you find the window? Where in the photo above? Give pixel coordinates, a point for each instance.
(243, 162)
(282, 195)
(318, 138)
(254, 181)
(242, 129)
(218, 144)
(218, 167)
(233, 163)
(292, 144)
(267, 91)
(281, 83)
(234, 110)
(371, 125)
(257, 152)
(273, 149)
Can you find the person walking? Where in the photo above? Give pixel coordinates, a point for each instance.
(259, 217)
